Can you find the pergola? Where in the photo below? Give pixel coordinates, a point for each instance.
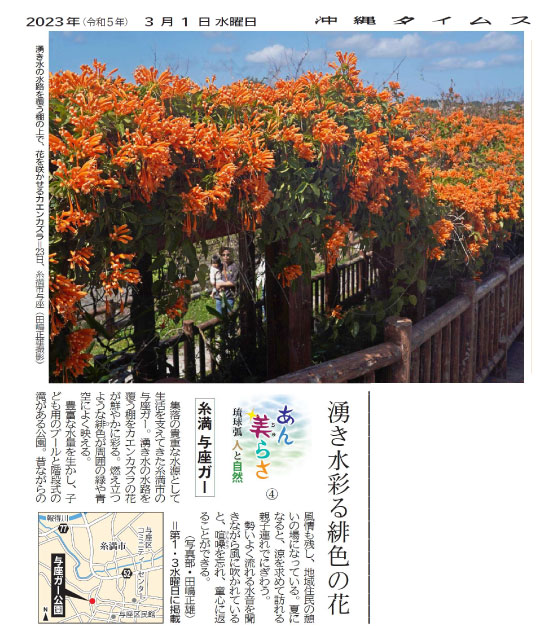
(288, 309)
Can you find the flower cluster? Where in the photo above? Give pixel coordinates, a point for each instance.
(477, 168)
(140, 169)
(289, 274)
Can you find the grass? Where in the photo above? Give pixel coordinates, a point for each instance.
(165, 326)
(197, 309)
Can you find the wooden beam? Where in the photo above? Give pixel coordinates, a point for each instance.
(247, 298)
(288, 319)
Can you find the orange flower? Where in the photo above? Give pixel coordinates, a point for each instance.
(435, 253)
(111, 280)
(85, 178)
(121, 234)
(337, 312)
(176, 310)
(289, 274)
(442, 229)
(328, 132)
(335, 243)
(77, 359)
(64, 297)
(80, 257)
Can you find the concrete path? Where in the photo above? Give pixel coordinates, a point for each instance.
(514, 364)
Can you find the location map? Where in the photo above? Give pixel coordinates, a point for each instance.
(101, 568)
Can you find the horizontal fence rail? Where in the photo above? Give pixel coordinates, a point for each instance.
(192, 356)
(355, 277)
(463, 341)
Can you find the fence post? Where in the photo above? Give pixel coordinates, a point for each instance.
(247, 297)
(467, 362)
(363, 275)
(503, 263)
(189, 354)
(398, 331)
(332, 294)
(161, 361)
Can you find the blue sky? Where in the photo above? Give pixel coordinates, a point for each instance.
(482, 65)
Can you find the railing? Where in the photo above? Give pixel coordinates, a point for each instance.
(191, 355)
(194, 355)
(463, 341)
(354, 278)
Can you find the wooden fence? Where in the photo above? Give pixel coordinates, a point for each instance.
(193, 354)
(354, 278)
(463, 341)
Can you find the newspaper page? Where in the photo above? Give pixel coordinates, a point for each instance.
(239, 225)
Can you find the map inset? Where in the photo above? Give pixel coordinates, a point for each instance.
(101, 568)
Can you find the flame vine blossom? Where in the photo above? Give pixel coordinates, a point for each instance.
(477, 167)
(139, 168)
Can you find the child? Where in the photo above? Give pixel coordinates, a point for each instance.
(215, 273)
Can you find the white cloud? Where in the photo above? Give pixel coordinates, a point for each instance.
(458, 63)
(74, 37)
(275, 53)
(413, 45)
(443, 48)
(465, 63)
(407, 45)
(356, 43)
(506, 59)
(281, 56)
(383, 47)
(494, 41)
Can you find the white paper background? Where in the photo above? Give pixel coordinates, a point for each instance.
(465, 478)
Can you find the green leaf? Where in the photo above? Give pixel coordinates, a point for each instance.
(190, 251)
(315, 189)
(172, 271)
(158, 263)
(213, 312)
(202, 274)
(301, 188)
(412, 299)
(355, 328)
(421, 285)
(152, 218)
